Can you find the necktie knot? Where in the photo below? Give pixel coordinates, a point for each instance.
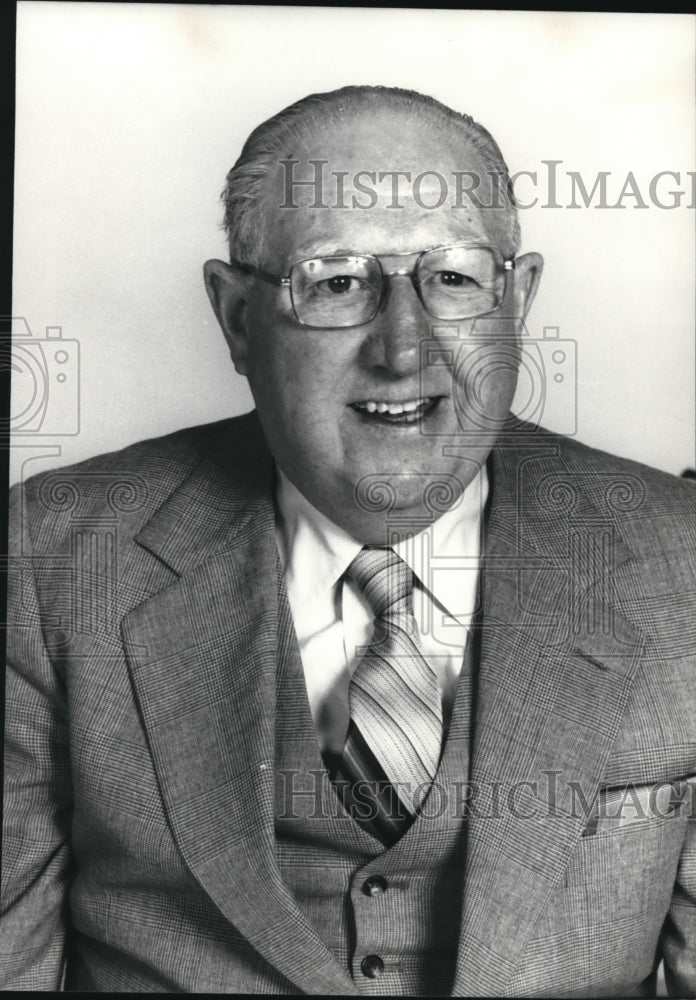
(384, 579)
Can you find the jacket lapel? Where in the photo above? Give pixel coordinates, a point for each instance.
(556, 666)
(202, 654)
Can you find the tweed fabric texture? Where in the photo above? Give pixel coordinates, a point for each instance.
(139, 849)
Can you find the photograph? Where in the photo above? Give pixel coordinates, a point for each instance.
(351, 624)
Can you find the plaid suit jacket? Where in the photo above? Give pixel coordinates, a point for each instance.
(139, 830)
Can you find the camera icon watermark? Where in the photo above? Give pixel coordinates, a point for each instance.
(45, 380)
(543, 370)
(547, 384)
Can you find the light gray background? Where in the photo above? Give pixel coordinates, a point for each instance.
(129, 116)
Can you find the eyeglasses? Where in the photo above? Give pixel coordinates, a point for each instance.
(452, 283)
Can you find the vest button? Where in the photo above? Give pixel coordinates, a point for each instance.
(372, 966)
(375, 885)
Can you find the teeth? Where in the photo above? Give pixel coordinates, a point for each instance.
(395, 409)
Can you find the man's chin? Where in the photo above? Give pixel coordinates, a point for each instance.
(388, 504)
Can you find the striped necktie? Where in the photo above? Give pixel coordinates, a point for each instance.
(395, 732)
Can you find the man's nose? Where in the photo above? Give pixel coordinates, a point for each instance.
(397, 330)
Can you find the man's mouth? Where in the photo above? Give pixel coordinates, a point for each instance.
(408, 411)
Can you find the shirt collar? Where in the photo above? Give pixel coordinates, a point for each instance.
(450, 546)
(305, 535)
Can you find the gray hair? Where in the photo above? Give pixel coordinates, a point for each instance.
(267, 143)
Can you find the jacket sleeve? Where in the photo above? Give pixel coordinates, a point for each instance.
(37, 795)
(679, 933)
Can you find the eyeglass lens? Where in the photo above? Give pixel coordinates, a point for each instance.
(453, 283)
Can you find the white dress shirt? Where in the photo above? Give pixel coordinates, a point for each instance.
(332, 617)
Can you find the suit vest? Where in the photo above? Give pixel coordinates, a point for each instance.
(390, 916)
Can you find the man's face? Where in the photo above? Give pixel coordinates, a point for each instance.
(321, 393)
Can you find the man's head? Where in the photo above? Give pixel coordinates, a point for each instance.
(391, 173)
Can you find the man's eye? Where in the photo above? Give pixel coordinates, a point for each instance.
(341, 283)
(453, 279)
(345, 286)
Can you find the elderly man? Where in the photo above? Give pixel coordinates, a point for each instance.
(377, 689)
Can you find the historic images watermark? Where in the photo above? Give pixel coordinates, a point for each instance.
(45, 380)
(305, 795)
(551, 185)
(545, 370)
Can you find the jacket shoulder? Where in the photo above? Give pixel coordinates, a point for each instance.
(624, 487)
(613, 484)
(133, 482)
(653, 511)
(561, 483)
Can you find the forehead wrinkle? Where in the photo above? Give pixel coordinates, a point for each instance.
(311, 250)
(328, 248)
(396, 237)
(324, 248)
(317, 250)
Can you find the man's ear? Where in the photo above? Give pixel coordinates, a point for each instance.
(227, 293)
(527, 273)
